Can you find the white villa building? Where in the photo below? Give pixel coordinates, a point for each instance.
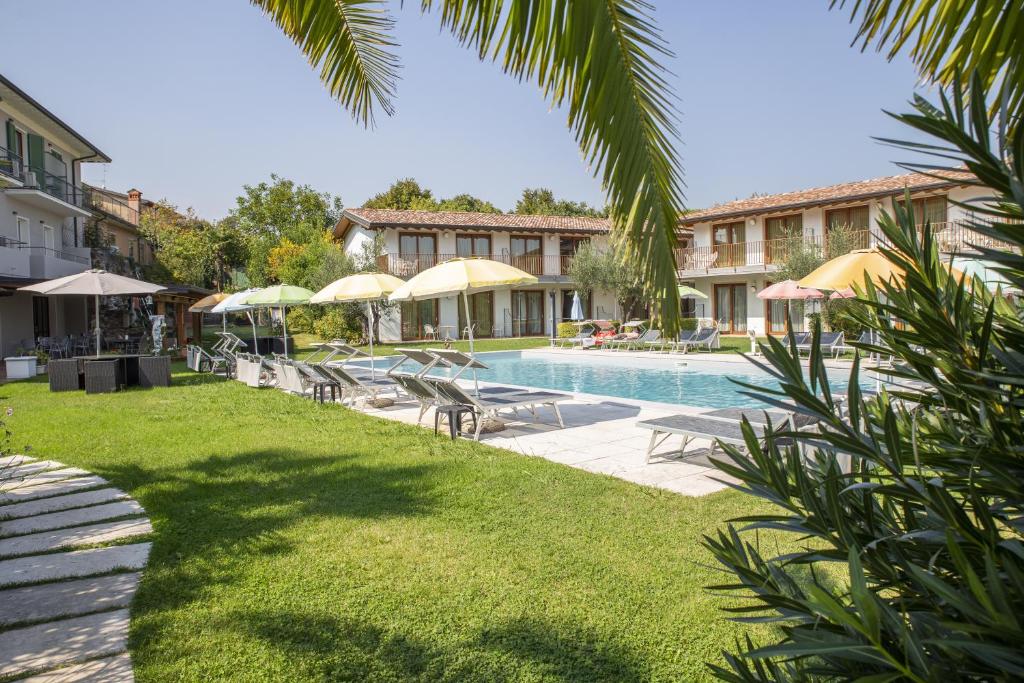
(738, 246)
(43, 209)
(541, 245)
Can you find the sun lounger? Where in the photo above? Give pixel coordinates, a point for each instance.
(355, 386)
(451, 393)
(706, 338)
(826, 343)
(723, 427)
(684, 336)
(583, 339)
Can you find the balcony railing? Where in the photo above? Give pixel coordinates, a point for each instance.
(407, 265)
(11, 165)
(111, 205)
(754, 253)
(11, 243)
(958, 237)
(56, 253)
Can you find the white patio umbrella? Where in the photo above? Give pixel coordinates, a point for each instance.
(95, 283)
(577, 307)
(367, 287)
(236, 304)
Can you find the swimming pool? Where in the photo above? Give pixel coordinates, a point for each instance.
(679, 380)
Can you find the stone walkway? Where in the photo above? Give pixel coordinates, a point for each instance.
(71, 555)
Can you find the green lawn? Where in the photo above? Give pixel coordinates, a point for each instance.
(302, 542)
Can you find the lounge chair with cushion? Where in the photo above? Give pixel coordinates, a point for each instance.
(718, 426)
(354, 385)
(638, 341)
(707, 338)
(826, 343)
(491, 405)
(584, 338)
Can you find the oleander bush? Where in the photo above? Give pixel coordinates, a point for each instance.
(908, 504)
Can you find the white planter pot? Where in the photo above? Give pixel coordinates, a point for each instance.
(40, 369)
(20, 367)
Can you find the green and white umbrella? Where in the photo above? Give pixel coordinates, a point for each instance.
(279, 296)
(687, 292)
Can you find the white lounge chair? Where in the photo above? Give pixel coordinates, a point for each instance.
(707, 338)
(721, 426)
(451, 393)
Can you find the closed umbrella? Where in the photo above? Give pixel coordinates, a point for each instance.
(235, 303)
(366, 287)
(280, 296)
(577, 307)
(95, 283)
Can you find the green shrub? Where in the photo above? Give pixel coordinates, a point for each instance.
(842, 316)
(688, 324)
(336, 324)
(303, 318)
(567, 330)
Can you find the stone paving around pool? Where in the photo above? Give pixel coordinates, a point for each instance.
(70, 562)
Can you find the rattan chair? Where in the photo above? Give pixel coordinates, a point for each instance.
(102, 376)
(155, 371)
(63, 375)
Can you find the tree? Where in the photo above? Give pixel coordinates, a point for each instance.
(595, 269)
(540, 201)
(189, 249)
(905, 507)
(404, 194)
(268, 213)
(598, 60)
(467, 202)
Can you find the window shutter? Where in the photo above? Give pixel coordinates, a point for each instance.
(36, 162)
(12, 138)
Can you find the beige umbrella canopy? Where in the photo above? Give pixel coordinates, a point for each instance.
(95, 283)
(206, 304)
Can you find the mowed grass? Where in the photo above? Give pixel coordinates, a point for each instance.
(300, 542)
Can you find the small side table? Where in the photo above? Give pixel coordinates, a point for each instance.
(454, 414)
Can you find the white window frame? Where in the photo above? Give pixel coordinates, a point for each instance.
(49, 237)
(25, 236)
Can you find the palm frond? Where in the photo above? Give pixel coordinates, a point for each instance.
(949, 38)
(349, 42)
(599, 59)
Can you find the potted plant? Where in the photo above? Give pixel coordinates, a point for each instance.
(42, 358)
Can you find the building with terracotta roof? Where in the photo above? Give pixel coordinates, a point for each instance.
(541, 245)
(737, 246)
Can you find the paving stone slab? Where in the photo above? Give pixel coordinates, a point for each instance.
(42, 506)
(56, 520)
(47, 476)
(67, 538)
(49, 601)
(47, 646)
(116, 669)
(15, 460)
(25, 469)
(73, 564)
(52, 488)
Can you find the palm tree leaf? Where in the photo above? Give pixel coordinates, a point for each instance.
(349, 41)
(599, 60)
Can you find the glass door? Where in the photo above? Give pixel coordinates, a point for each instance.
(416, 253)
(777, 233)
(527, 313)
(526, 254)
(731, 308)
(730, 248)
(481, 307)
(419, 319)
(473, 245)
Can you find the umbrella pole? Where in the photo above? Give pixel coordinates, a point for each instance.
(369, 330)
(469, 328)
(97, 325)
(284, 327)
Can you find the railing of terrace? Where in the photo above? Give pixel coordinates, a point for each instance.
(754, 253)
(56, 186)
(111, 205)
(56, 253)
(407, 265)
(11, 164)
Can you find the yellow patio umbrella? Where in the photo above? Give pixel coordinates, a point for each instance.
(463, 276)
(206, 304)
(366, 287)
(852, 269)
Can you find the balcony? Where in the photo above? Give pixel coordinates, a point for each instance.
(553, 268)
(750, 257)
(14, 261)
(956, 237)
(49, 192)
(11, 173)
(111, 206)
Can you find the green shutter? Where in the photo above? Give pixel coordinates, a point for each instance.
(36, 162)
(12, 138)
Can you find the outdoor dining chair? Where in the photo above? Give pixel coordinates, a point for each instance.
(102, 376)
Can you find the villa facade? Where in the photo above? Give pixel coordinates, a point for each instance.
(738, 246)
(43, 209)
(541, 245)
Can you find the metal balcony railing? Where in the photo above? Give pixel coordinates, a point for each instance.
(754, 253)
(111, 205)
(408, 265)
(11, 243)
(56, 253)
(11, 165)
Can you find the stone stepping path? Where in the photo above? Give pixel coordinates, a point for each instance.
(71, 551)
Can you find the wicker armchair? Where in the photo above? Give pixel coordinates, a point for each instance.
(64, 375)
(155, 371)
(102, 376)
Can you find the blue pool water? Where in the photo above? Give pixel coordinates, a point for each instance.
(671, 380)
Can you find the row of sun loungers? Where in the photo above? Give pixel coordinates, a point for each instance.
(652, 340)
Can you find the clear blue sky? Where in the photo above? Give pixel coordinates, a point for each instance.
(193, 98)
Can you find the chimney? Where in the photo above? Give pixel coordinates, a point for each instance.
(135, 203)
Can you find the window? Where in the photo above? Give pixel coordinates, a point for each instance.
(567, 246)
(586, 303)
(481, 307)
(731, 308)
(24, 236)
(526, 254)
(48, 237)
(40, 316)
(527, 313)
(729, 241)
(853, 217)
(929, 210)
(417, 252)
(473, 245)
(777, 230)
